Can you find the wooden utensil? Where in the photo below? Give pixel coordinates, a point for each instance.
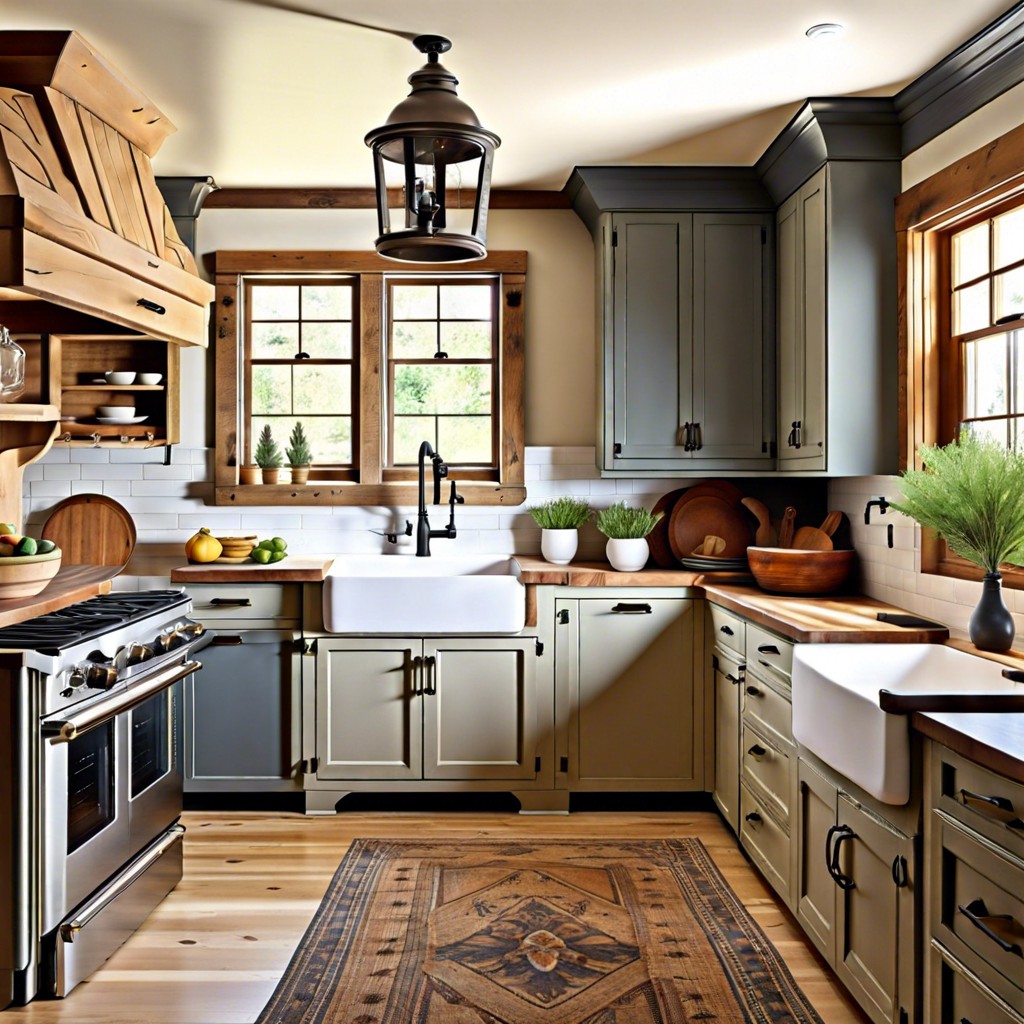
(657, 539)
(91, 529)
(831, 523)
(786, 527)
(764, 536)
(694, 520)
(712, 546)
(810, 538)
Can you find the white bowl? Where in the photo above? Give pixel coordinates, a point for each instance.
(116, 412)
(150, 378)
(120, 376)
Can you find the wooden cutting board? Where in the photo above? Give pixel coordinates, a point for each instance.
(693, 520)
(91, 529)
(657, 539)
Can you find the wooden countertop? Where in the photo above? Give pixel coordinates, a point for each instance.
(71, 584)
(293, 569)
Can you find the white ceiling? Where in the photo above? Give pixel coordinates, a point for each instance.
(270, 97)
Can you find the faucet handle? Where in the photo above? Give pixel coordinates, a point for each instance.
(456, 498)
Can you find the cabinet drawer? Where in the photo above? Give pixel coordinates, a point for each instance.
(769, 654)
(986, 802)
(959, 996)
(765, 769)
(216, 601)
(979, 912)
(765, 841)
(728, 630)
(768, 710)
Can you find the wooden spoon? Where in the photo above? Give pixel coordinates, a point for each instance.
(810, 538)
(765, 533)
(831, 523)
(786, 527)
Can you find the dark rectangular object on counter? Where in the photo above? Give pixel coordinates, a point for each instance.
(909, 621)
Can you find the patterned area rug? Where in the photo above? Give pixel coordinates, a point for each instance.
(533, 932)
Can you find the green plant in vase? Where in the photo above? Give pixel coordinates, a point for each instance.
(268, 455)
(298, 454)
(560, 520)
(971, 492)
(626, 529)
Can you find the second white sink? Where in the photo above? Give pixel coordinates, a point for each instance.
(402, 594)
(839, 690)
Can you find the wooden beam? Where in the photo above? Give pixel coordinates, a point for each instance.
(366, 199)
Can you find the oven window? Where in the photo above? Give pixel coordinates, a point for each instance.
(90, 784)
(150, 747)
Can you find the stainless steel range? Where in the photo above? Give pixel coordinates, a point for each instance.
(90, 781)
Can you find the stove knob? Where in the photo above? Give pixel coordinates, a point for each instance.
(138, 653)
(77, 678)
(101, 677)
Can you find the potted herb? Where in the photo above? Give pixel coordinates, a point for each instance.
(268, 456)
(298, 454)
(972, 493)
(560, 520)
(626, 529)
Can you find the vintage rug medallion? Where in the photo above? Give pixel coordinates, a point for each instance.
(533, 932)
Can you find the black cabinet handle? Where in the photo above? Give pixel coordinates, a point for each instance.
(226, 641)
(793, 439)
(839, 833)
(632, 609)
(153, 307)
(757, 751)
(769, 649)
(753, 817)
(233, 602)
(899, 871)
(754, 691)
(687, 443)
(698, 438)
(977, 913)
(417, 675)
(1000, 808)
(726, 630)
(732, 679)
(429, 676)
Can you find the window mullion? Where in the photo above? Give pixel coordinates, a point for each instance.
(370, 456)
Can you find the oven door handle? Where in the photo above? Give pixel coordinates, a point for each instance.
(119, 883)
(66, 729)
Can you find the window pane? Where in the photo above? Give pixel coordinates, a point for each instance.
(970, 254)
(1009, 237)
(414, 340)
(464, 438)
(414, 301)
(327, 340)
(274, 302)
(970, 308)
(271, 390)
(466, 302)
(994, 430)
(326, 302)
(410, 433)
(275, 340)
(985, 378)
(1009, 292)
(467, 340)
(323, 389)
(442, 389)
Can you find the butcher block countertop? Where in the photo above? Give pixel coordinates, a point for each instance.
(72, 583)
(293, 569)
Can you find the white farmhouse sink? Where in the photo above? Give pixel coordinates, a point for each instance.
(839, 691)
(401, 594)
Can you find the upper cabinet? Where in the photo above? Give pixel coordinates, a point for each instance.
(685, 367)
(83, 225)
(835, 172)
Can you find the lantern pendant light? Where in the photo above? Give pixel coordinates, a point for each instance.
(434, 138)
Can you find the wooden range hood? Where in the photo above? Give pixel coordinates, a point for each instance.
(86, 239)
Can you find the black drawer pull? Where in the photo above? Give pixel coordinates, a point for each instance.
(726, 630)
(226, 641)
(732, 679)
(998, 807)
(632, 609)
(899, 871)
(233, 602)
(753, 817)
(840, 833)
(754, 691)
(153, 307)
(769, 649)
(757, 751)
(977, 913)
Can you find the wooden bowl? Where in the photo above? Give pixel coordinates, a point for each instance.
(800, 571)
(27, 575)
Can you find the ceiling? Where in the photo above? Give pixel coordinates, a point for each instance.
(268, 97)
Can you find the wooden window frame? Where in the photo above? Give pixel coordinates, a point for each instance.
(370, 486)
(981, 184)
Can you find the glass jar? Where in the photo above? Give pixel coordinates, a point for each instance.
(12, 368)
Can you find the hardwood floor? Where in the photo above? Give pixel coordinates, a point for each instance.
(215, 948)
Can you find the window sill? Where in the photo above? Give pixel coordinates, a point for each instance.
(961, 569)
(324, 492)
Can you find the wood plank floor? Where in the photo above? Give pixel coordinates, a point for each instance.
(215, 948)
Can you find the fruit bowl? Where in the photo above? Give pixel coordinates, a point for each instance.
(27, 575)
(799, 570)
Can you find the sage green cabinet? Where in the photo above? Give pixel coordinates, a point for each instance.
(407, 708)
(686, 370)
(728, 681)
(635, 714)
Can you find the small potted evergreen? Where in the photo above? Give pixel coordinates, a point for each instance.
(268, 456)
(626, 529)
(298, 454)
(560, 520)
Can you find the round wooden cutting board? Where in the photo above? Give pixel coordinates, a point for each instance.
(657, 539)
(91, 529)
(693, 520)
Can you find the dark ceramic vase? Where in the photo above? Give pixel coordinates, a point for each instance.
(991, 627)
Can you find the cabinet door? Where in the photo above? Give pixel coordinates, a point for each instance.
(635, 713)
(729, 266)
(651, 358)
(815, 889)
(728, 680)
(242, 727)
(479, 709)
(368, 718)
(867, 930)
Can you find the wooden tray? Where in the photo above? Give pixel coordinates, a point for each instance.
(91, 529)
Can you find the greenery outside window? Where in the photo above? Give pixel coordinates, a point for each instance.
(372, 362)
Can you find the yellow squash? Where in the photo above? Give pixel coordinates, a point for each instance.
(203, 547)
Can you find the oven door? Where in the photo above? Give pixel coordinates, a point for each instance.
(87, 777)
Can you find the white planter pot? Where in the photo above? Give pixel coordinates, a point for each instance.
(627, 554)
(559, 546)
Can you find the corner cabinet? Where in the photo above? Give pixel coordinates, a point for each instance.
(685, 365)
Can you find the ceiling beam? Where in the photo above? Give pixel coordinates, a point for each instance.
(365, 199)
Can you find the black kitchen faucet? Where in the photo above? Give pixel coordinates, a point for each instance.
(423, 531)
